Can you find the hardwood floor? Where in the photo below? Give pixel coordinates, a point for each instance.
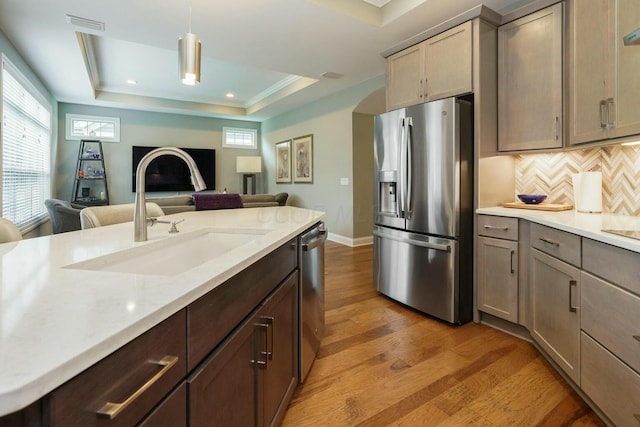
(382, 364)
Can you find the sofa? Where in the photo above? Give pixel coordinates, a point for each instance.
(178, 204)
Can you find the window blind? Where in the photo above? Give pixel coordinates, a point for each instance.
(26, 148)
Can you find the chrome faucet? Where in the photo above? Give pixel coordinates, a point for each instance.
(140, 212)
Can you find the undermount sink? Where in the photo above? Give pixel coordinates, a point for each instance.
(173, 255)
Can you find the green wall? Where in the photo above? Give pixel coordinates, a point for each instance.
(151, 129)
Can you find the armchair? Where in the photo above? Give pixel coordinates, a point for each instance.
(65, 216)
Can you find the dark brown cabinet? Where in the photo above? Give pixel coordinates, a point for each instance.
(251, 376)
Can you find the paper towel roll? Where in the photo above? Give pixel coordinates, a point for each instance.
(587, 191)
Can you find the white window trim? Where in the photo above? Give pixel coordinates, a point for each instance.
(254, 133)
(69, 118)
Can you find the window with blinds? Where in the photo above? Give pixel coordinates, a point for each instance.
(239, 138)
(26, 148)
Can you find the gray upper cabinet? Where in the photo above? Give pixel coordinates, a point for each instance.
(604, 87)
(404, 78)
(439, 67)
(530, 81)
(448, 63)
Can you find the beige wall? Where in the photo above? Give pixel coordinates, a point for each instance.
(331, 122)
(363, 175)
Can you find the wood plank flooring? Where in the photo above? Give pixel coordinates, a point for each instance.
(382, 364)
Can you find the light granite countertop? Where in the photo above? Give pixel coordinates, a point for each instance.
(588, 225)
(55, 322)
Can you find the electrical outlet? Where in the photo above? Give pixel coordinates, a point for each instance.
(344, 181)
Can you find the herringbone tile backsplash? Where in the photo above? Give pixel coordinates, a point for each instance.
(550, 173)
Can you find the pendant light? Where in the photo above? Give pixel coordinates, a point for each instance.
(189, 56)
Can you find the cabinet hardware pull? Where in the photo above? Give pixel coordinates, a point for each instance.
(551, 242)
(610, 107)
(572, 283)
(493, 227)
(511, 260)
(603, 107)
(263, 363)
(557, 118)
(420, 89)
(112, 409)
(269, 320)
(426, 87)
(636, 337)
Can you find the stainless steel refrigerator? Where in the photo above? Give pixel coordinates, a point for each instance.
(423, 225)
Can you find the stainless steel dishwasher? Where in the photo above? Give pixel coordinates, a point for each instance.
(311, 256)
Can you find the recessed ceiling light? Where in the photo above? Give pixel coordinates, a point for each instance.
(230, 95)
(132, 82)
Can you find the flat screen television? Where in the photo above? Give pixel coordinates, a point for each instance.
(169, 173)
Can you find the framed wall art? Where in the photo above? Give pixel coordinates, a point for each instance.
(283, 161)
(303, 159)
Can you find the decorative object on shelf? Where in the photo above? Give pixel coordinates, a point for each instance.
(90, 184)
(532, 199)
(283, 162)
(303, 152)
(248, 166)
(189, 55)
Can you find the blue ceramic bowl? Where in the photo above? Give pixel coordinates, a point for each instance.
(532, 199)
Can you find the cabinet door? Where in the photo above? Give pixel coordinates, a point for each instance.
(498, 278)
(530, 82)
(404, 78)
(555, 294)
(222, 391)
(448, 63)
(627, 113)
(591, 72)
(280, 377)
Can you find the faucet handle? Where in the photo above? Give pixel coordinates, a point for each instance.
(173, 228)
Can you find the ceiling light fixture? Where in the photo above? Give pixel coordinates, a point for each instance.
(189, 57)
(132, 82)
(230, 95)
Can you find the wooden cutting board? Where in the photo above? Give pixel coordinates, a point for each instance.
(539, 206)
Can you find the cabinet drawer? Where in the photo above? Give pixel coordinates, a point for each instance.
(170, 413)
(612, 316)
(560, 244)
(212, 317)
(611, 384)
(155, 360)
(617, 265)
(498, 226)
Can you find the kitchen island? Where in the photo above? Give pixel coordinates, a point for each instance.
(62, 311)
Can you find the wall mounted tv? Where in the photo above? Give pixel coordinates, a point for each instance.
(169, 173)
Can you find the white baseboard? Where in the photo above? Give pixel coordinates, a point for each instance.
(348, 241)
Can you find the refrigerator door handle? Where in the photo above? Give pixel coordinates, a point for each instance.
(436, 246)
(401, 178)
(408, 125)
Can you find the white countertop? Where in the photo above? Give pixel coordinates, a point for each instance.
(588, 225)
(55, 322)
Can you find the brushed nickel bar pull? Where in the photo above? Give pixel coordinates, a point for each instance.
(493, 227)
(269, 320)
(426, 88)
(636, 337)
(549, 241)
(420, 89)
(112, 409)
(603, 107)
(513, 270)
(572, 283)
(557, 118)
(262, 364)
(610, 107)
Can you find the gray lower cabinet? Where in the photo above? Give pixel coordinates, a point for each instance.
(250, 377)
(497, 266)
(555, 298)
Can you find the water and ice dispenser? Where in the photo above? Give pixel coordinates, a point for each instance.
(387, 182)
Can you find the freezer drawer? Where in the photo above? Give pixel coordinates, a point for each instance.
(419, 271)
